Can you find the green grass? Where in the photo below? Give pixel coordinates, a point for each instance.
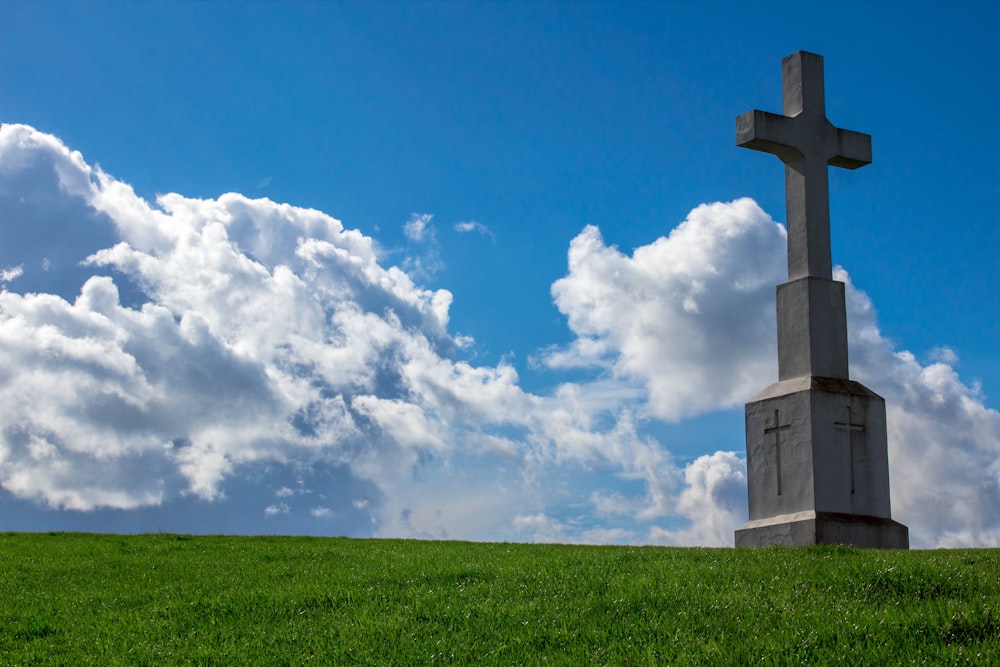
(77, 599)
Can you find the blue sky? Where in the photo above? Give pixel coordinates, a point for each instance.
(511, 335)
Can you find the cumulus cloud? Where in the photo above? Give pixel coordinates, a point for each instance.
(265, 328)
(199, 350)
(713, 500)
(690, 317)
(259, 339)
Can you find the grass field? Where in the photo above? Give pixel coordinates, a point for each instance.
(74, 599)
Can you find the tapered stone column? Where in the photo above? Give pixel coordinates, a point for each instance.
(817, 456)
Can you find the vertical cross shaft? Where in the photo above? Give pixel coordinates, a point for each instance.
(812, 321)
(806, 142)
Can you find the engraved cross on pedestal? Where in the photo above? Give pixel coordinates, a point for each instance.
(776, 429)
(854, 431)
(806, 142)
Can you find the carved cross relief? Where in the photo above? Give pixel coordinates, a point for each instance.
(776, 429)
(855, 437)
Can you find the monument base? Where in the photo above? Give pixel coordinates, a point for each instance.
(818, 467)
(805, 528)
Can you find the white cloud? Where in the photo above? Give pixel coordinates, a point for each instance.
(427, 264)
(418, 228)
(690, 316)
(7, 275)
(473, 226)
(275, 510)
(713, 500)
(263, 321)
(203, 342)
(269, 333)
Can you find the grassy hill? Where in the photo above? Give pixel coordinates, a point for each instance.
(77, 599)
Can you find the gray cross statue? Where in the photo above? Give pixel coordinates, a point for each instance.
(806, 142)
(798, 487)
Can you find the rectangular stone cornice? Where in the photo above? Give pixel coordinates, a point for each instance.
(829, 385)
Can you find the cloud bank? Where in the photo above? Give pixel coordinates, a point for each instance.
(689, 316)
(239, 357)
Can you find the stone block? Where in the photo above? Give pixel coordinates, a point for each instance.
(805, 528)
(812, 329)
(816, 445)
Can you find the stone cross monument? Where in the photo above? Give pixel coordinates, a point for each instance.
(817, 462)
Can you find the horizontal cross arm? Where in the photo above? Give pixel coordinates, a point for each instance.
(854, 150)
(767, 132)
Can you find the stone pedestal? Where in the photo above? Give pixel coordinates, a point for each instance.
(817, 467)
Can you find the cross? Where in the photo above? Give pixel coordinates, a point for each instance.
(806, 142)
(851, 429)
(776, 430)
